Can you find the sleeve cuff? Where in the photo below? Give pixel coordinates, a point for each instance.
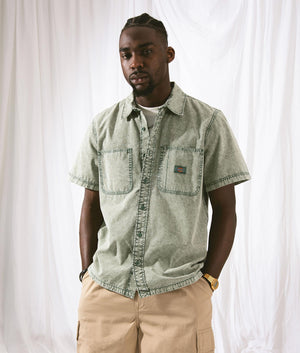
(88, 184)
(230, 179)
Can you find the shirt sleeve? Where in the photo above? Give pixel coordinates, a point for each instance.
(223, 160)
(85, 169)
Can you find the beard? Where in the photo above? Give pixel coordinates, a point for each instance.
(143, 92)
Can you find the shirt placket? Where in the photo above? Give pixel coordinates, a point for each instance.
(148, 158)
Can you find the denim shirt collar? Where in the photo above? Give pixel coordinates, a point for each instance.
(175, 103)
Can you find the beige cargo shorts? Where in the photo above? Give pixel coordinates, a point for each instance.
(172, 322)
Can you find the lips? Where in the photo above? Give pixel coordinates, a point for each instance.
(138, 78)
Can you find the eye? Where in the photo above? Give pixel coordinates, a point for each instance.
(125, 56)
(147, 52)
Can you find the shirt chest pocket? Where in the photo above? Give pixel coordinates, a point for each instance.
(115, 171)
(180, 170)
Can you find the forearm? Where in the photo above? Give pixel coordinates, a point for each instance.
(221, 237)
(90, 222)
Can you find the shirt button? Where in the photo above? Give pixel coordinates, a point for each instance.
(143, 128)
(139, 234)
(138, 262)
(142, 207)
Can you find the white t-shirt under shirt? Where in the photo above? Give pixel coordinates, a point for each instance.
(150, 114)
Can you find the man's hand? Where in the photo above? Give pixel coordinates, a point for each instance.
(222, 229)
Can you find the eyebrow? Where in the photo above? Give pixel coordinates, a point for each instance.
(139, 46)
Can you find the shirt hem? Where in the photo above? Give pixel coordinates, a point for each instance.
(144, 293)
(126, 292)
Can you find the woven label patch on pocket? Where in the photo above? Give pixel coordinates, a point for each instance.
(179, 169)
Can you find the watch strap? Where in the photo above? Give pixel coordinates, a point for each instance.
(214, 283)
(82, 273)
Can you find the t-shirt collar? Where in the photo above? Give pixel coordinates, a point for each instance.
(175, 103)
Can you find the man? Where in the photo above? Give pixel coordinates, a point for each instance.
(149, 164)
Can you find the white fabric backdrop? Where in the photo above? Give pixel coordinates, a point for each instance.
(59, 66)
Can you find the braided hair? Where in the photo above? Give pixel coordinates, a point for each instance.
(145, 20)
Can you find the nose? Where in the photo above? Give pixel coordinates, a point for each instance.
(136, 62)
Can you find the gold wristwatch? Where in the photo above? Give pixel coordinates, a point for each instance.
(214, 283)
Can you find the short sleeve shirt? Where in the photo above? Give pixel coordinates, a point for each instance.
(153, 190)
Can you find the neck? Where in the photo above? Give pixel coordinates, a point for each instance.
(156, 98)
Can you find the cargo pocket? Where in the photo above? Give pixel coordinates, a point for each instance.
(205, 341)
(77, 334)
(115, 171)
(180, 170)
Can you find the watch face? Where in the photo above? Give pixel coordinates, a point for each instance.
(215, 285)
(213, 282)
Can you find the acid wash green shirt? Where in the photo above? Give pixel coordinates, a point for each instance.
(153, 190)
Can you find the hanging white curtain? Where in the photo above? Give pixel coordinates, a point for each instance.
(59, 66)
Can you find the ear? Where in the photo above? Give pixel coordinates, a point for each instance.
(170, 54)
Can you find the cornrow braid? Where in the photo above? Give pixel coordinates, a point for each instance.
(145, 20)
